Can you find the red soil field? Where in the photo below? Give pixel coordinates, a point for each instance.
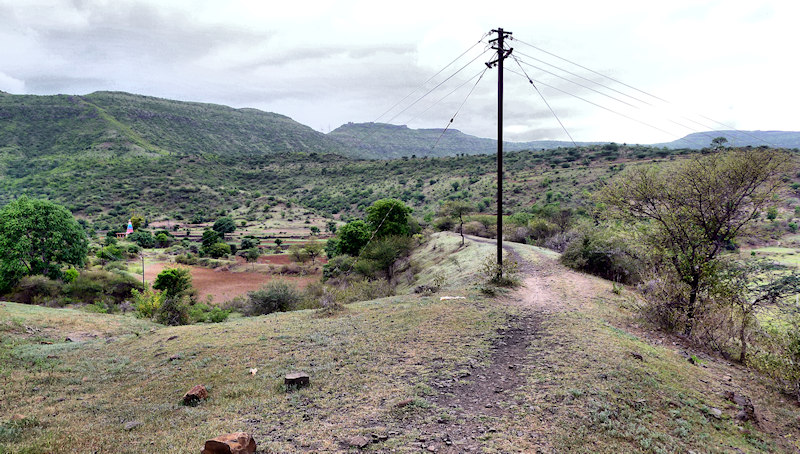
(224, 285)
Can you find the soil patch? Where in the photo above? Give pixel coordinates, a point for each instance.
(225, 285)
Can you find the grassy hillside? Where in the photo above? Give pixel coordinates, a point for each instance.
(408, 373)
(385, 141)
(114, 124)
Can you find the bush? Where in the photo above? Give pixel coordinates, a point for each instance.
(36, 290)
(143, 238)
(602, 253)
(147, 303)
(276, 296)
(95, 285)
(218, 250)
(505, 275)
(203, 313)
(173, 311)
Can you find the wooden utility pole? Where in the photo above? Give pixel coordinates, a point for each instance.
(502, 53)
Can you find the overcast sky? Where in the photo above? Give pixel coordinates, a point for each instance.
(330, 62)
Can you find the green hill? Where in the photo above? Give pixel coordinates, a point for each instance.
(116, 124)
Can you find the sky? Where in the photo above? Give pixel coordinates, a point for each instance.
(648, 72)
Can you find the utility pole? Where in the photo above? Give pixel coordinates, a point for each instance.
(502, 53)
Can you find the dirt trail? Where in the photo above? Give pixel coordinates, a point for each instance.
(484, 393)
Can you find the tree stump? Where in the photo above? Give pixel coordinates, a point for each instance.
(296, 380)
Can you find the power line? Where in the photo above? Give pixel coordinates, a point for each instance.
(437, 86)
(598, 105)
(545, 101)
(459, 109)
(646, 93)
(432, 77)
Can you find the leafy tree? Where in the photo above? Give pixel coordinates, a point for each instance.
(352, 237)
(252, 254)
(224, 225)
(313, 250)
(209, 238)
(248, 242)
(719, 142)
(143, 238)
(458, 209)
(38, 237)
(314, 230)
(695, 208)
(331, 226)
(278, 243)
(298, 254)
(136, 222)
(218, 250)
(163, 240)
(389, 217)
(174, 282)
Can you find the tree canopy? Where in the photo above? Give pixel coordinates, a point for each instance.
(224, 225)
(695, 208)
(389, 217)
(38, 237)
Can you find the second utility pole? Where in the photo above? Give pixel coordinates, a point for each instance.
(502, 53)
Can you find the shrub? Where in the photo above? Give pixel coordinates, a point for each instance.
(174, 282)
(505, 275)
(147, 303)
(218, 250)
(143, 238)
(173, 311)
(602, 253)
(36, 290)
(96, 285)
(203, 313)
(276, 296)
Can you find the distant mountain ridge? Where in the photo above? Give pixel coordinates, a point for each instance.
(777, 139)
(386, 141)
(114, 124)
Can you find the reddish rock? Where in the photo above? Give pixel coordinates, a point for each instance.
(235, 443)
(195, 395)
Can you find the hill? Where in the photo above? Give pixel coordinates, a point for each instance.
(113, 124)
(558, 366)
(772, 139)
(385, 141)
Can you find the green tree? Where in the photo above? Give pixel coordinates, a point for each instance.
(331, 226)
(694, 208)
(314, 230)
(298, 254)
(252, 254)
(136, 222)
(218, 250)
(143, 238)
(174, 282)
(352, 237)
(210, 237)
(313, 250)
(224, 225)
(38, 237)
(176, 285)
(719, 142)
(389, 217)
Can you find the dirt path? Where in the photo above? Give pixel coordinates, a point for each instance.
(483, 394)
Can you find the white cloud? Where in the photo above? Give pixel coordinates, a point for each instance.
(325, 63)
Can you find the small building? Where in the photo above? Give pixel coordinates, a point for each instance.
(128, 231)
